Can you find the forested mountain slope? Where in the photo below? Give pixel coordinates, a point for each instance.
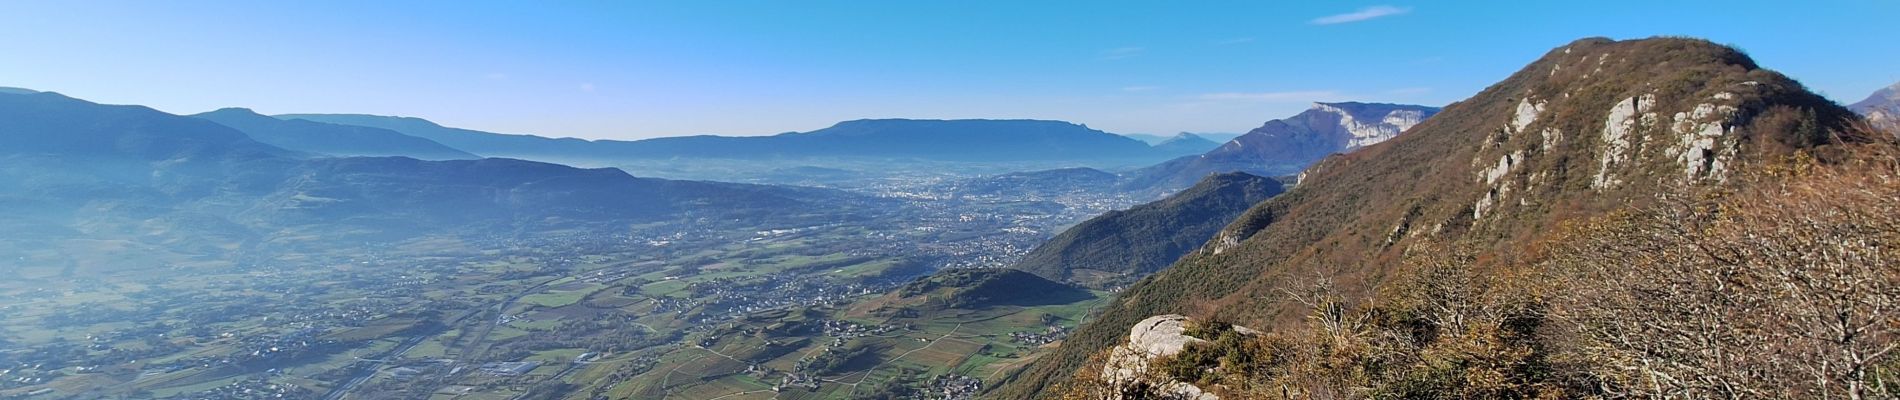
(1122, 246)
(1593, 128)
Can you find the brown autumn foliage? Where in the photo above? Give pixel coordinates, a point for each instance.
(1432, 301)
(1354, 217)
(1445, 331)
(1786, 288)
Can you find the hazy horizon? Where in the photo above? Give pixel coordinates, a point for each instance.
(231, 201)
(611, 71)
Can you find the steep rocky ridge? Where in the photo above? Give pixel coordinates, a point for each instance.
(1882, 108)
(1285, 146)
(1593, 126)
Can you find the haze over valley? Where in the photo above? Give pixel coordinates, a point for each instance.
(519, 201)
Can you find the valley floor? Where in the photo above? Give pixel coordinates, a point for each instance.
(680, 311)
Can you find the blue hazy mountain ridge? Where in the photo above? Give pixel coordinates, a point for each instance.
(48, 124)
(1186, 144)
(505, 192)
(331, 139)
(952, 140)
(77, 169)
(1153, 139)
(488, 144)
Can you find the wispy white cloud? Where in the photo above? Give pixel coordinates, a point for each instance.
(1274, 97)
(495, 76)
(1234, 41)
(1121, 53)
(1361, 15)
(1142, 88)
(587, 87)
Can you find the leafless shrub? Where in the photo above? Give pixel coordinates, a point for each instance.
(1786, 288)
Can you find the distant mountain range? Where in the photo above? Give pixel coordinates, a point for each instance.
(1882, 108)
(1186, 144)
(332, 139)
(487, 144)
(956, 140)
(73, 170)
(1153, 139)
(1279, 148)
(1286, 146)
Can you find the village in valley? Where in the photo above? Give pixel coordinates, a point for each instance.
(586, 313)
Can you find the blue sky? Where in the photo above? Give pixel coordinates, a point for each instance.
(645, 69)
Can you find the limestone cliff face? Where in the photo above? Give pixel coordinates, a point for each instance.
(1367, 124)
(1324, 129)
(1882, 108)
(1286, 146)
(1593, 127)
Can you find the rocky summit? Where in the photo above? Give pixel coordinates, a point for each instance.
(948, 201)
(1592, 127)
